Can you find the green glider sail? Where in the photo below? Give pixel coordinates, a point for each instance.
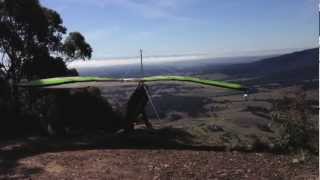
(80, 79)
(196, 80)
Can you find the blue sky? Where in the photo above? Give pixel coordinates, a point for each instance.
(118, 28)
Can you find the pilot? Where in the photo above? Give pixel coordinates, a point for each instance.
(136, 108)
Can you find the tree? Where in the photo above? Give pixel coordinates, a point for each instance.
(75, 47)
(31, 43)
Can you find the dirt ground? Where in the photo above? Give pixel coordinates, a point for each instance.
(42, 158)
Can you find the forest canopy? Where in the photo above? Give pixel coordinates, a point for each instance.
(34, 44)
(32, 41)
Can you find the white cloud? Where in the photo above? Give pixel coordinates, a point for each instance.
(135, 60)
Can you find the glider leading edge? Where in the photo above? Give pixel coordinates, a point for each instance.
(78, 79)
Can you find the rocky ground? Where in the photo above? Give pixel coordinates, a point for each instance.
(74, 158)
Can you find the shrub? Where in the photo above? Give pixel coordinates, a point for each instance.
(298, 130)
(60, 110)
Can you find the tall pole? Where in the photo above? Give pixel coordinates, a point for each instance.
(141, 64)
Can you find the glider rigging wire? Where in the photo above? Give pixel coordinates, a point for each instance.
(152, 105)
(146, 89)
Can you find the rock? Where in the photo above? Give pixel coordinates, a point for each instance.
(295, 161)
(215, 128)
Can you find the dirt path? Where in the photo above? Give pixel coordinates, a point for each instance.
(149, 164)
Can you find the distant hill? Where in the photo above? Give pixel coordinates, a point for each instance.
(182, 67)
(293, 67)
(297, 66)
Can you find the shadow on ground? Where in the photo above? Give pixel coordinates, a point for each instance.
(165, 138)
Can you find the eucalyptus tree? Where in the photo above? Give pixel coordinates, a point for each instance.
(31, 41)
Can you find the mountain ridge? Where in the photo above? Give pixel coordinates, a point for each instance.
(296, 66)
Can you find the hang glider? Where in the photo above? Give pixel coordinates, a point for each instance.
(80, 79)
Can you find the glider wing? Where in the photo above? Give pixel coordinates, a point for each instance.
(81, 79)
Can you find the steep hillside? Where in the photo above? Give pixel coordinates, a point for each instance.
(297, 66)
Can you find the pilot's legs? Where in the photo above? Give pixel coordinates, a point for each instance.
(146, 120)
(128, 123)
(129, 127)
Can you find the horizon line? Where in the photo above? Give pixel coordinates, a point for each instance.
(211, 55)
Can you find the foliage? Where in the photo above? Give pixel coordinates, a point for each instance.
(72, 110)
(31, 41)
(76, 47)
(31, 47)
(298, 129)
(51, 67)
